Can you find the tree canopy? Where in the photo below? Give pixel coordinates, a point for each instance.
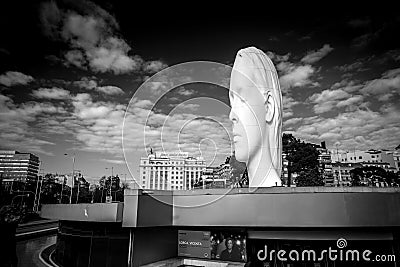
(370, 175)
(303, 160)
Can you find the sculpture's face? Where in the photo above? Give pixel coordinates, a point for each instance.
(247, 113)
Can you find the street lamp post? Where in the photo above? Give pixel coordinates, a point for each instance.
(112, 174)
(12, 201)
(25, 193)
(37, 192)
(73, 177)
(35, 202)
(62, 189)
(40, 192)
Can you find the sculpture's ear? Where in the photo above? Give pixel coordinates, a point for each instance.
(269, 106)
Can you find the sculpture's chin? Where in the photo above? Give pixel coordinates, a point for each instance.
(241, 156)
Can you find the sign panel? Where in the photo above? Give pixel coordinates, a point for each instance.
(217, 245)
(175, 154)
(194, 244)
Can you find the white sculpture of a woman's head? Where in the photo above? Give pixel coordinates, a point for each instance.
(256, 113)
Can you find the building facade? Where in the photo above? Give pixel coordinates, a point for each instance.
(379, 158)
(396, 158)
(18, 167)
(341, 173)
(325, 164)
(211, 177)
(170, 171)
(285, 173)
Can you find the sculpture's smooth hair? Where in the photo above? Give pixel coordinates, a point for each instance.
(261, 64)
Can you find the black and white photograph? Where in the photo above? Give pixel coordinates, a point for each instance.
(197, 134)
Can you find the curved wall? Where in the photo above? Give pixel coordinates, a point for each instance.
(269, 207)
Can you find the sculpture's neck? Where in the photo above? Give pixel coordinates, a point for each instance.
(261, 171)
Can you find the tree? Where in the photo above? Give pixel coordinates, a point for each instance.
(244, 181)
(303, 160)
(310, 177)
(50, 189)
(125, 186)
(289, 143)
(373, 175)
(356, 176)
(238, 168)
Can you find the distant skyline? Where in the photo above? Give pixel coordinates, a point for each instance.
(68, 71)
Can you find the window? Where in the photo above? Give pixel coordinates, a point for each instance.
(360, 157)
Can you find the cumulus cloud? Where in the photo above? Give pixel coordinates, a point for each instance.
(351, 101)
(277, 57)
(110, 90)
(385, 88)
(51, 93)
(154, 66)
(288, 102)
(365, 39)
(356, 66)
(187, 106)
(11, 78)
(75, 58)
(369, 62)
(383, 85)
(291, 121)
(186, 92)
(297, 76)
(358, 129)
(91, 83)
(86, 83)
(180, 130)
(316, 55)
(93, 38)
(389, 82)
(329, 99)
(292, 74)
(20, 124)
(347, 85)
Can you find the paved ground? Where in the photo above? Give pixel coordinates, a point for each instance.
(35, 228)
(32, 238)
(28, 250)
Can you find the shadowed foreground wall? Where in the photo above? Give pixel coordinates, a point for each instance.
(148, 221)
(154, 244)
(92, 244)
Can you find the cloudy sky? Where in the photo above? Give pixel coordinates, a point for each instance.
(70, 73)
